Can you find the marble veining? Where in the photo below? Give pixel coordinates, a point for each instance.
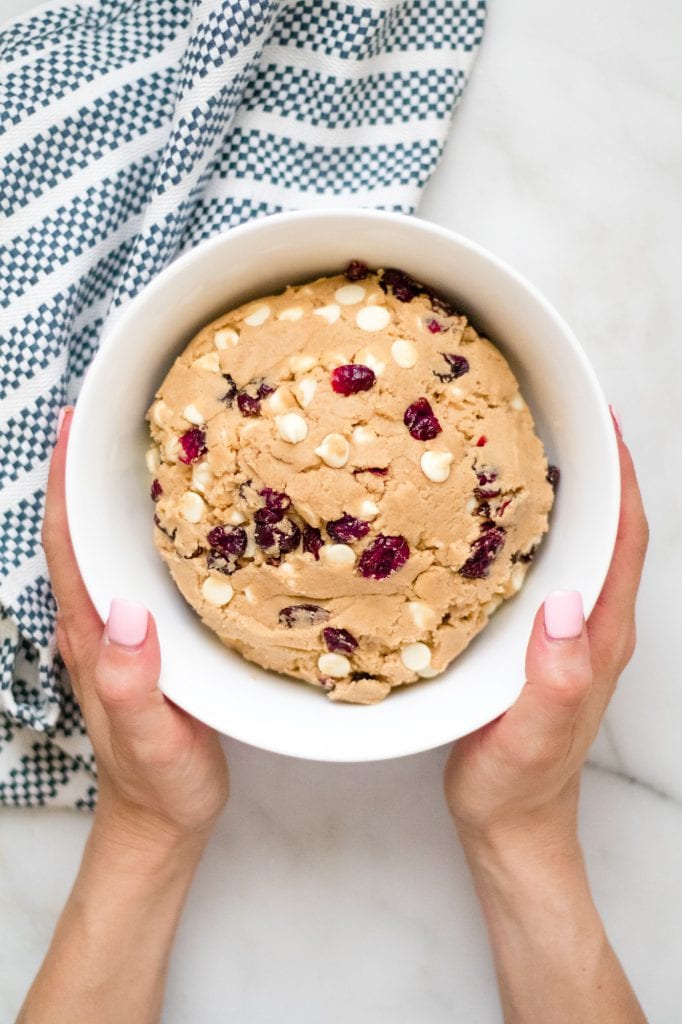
(339, 892)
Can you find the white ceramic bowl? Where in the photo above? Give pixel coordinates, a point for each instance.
(107, 484)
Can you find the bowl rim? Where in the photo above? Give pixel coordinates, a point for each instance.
(118, 324)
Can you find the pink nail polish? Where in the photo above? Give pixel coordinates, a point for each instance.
(617, 420)
(564, 615)
(60, 421)
(127, 623)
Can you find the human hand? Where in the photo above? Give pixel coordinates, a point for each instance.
(518, 777)
(162, 775)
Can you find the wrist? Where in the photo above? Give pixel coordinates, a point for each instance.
(144, 843)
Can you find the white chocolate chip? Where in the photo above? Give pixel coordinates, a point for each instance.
(471, 506)
(279, 401)
(258, 316)
(436, 466)
(335, 665)
(292, 313)
(292, 427)
(492, 605)
(191, 507)
(161, 413)
(217, 592)
(363, 435)
(404, 353)
(302, 363)
(172, 449)
(337, 555)
(455, 392)
(368, 509)
(236, 518)
(367, 358)
(416, 657)
(422, 614)
(349, 294)
(304, 391)
(194, 415)
(374, 297)
(250, 549)
(429, 673)
(226, 337)
(202, 477)
(211, 361)
(517, 403)
(518, 575)
(329, 313)
(334, 450)
(152, 458)
(373, 318)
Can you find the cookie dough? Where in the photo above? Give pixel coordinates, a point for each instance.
(347, 482)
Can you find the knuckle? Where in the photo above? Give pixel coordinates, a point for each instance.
(111, 687)
(571, 684)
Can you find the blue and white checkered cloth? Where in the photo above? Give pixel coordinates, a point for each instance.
(130, 130)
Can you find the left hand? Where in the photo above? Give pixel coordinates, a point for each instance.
(162, 774)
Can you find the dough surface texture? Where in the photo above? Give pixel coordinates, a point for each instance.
(346, 481)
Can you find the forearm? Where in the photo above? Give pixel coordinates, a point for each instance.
(109, 954)
(552, 957)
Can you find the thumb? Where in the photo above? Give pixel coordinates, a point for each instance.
(126, 679)
(558, 673)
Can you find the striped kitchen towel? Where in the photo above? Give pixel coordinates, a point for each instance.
(130, 130)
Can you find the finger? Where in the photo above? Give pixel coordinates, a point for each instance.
(142, 721)
(611, 624)
(540, 725)
(76, 611)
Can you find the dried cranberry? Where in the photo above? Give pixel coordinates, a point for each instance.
(268, 516)
(486, 476)
(339, 640)
(297, 615)
(484, 551)
(482, 441)
(277, 539)
(351, 378)
(248, 406)
(275, 499)
(228, 544)
(157, 521)
(434, 326)
(312, 541)
(503, 507)
(438, 303)
(404, 287)
(376, 470)
(458, 367)
(230, 540)
(420, 420)
(483, 509)
(356, 271)
(554, 476)
(156, 490)
(232, 390)
(347, 529)
(385, 555)
(264, 390)
(193, 445)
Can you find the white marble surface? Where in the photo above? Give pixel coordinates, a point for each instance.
(339, 892)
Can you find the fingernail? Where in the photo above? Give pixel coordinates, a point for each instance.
(564, 615)
(617, 420)
(60, 421)
(127, 623)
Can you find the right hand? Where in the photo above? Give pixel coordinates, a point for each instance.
(516, 780)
